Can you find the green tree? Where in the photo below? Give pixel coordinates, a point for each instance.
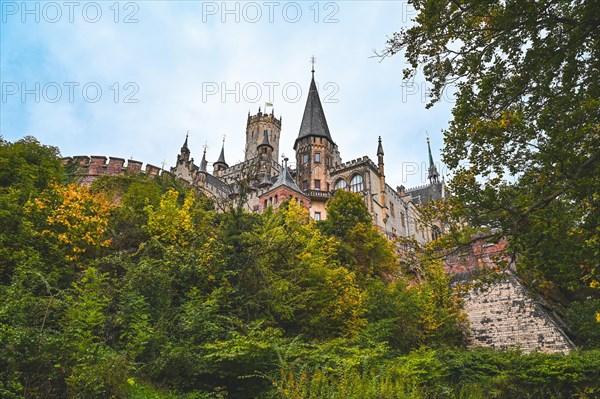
(26, 168)
(362, 248)
(524, 141)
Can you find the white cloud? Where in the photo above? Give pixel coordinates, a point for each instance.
(171, 52)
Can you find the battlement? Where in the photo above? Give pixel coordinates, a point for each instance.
(91, 167)
(260, 117)
(409, 190)
(354, 162)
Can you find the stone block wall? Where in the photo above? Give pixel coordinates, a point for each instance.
(504, 315)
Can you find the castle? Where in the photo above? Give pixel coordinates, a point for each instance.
(260, 181)
(505, 316)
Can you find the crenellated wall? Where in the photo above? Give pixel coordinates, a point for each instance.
(89, 168)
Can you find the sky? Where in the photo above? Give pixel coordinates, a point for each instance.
(128, 79)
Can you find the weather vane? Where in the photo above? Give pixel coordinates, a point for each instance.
(313, 59)
(164, 163)
(205, 146)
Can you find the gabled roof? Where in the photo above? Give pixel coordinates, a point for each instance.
(313, 120)
(286, 180)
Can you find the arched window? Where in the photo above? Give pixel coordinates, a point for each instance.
(340, 185)
(356, 184)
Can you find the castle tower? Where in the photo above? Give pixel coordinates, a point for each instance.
(316, 152)
(256, 127)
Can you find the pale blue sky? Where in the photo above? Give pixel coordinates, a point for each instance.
(171, 56)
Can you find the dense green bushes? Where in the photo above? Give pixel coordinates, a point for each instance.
(138, 288)
(473, 374)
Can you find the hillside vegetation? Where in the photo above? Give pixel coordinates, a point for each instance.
(137, 288)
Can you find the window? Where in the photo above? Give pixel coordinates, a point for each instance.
(327, 161)
(328, 187)
(402, 219)
(356, 184)
(276, 202)
(340, 185)
(392, 210)
(317, 184)
(317, 157)
(317, 215)
(304, 158)
(305, 185)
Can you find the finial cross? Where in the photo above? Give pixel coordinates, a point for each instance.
(313, 60)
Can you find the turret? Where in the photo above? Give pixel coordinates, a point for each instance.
(184, 154)
(203, 163)
(380, 157)
(265, 147)
(220, 165)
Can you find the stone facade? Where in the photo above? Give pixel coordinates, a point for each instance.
(504, 315)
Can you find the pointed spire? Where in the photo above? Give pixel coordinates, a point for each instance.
(221, 160)
(433, 173)
(380, 148)
(313, 120)
(222, 156)
(265, 141)
(185, 143)
(203, 163)
(184, 148)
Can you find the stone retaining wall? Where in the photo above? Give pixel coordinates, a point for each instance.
(505, 315)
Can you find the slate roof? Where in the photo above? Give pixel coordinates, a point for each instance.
(313, 120)
(285, 179)
(222, 156)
